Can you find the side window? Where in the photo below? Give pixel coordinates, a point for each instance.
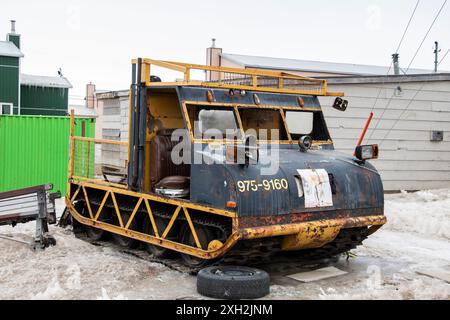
(300, 123)
(264, 121)
(213, 123)
(221, 120)
(6, 108)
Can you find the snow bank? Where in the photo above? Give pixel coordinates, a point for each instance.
(423, 212)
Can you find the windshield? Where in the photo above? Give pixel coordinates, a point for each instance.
(220, 120)
(266, 124)
(214, 123)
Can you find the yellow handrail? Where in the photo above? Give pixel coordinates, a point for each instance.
(254, 79)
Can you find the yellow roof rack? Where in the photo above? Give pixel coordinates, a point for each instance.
(234, 78)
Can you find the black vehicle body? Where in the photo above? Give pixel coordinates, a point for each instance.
(273, 187)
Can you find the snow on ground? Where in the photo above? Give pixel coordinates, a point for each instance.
(423, 212)
(416, 238)
(75, 269)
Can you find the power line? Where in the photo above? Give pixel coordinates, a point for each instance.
(407, 27)
(445, 55)
(382, 115)
(409, 66)
(398, 48)
(426, 35)
(409, 104)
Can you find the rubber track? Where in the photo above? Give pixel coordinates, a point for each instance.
(265, 254)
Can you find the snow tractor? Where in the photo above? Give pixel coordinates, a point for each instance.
(237, 168)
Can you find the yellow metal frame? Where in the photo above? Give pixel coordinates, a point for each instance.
(297, 236)
(159, 237)
(120, 143)
(72, 140)
(253, 74)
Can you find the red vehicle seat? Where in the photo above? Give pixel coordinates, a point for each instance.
(163, 172)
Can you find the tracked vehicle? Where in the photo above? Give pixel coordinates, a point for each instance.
(236, 168)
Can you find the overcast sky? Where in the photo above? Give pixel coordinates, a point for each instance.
(95, 40)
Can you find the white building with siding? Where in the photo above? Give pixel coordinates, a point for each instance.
(407, 112)
(114, 126)
(408, 109)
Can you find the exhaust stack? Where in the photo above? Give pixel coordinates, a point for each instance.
(12, 36)
(395, 59)
(13, 26)
(213, 59)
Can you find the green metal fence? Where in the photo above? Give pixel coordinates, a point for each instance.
(35, 150)
(84, 159)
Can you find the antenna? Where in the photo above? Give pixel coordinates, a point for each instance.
(436, 56)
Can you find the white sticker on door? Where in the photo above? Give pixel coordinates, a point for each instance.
(316, 188)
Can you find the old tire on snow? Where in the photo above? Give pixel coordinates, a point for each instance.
(233, 282)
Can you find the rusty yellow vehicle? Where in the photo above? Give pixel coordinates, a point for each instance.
(238, 168)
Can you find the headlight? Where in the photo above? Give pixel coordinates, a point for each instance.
(367, 152)
(305, 143)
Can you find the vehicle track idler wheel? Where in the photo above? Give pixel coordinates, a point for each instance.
(205, 236)
(233, 283)
(78, 228)
(95, 234)
(125, 242)
(157, 251)
(92, 234)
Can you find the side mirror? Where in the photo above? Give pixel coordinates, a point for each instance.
(364, 153)
(340, 104)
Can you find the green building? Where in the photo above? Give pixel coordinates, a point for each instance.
(23, 94)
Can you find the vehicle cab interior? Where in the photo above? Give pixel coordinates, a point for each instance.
(222, 123)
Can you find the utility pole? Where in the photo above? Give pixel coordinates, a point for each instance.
(436, 56)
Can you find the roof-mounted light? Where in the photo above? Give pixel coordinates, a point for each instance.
(256, 99)
(301, 102)
(210, 96)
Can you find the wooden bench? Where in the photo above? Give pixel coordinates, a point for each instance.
(31, 204)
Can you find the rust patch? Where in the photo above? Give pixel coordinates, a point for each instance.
(315, 229)
(263, 221)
